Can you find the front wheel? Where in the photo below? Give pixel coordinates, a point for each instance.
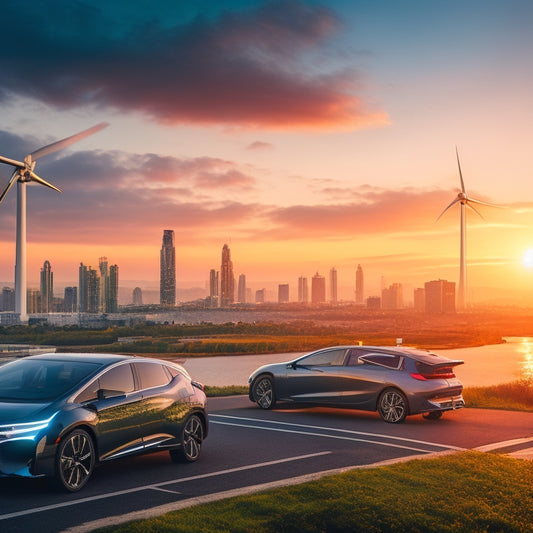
(192, 436)
(75, 460)
(263, 392)
(392, 406)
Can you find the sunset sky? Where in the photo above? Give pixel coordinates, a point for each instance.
(306, 135)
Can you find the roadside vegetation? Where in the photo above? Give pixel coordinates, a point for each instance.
(467, 491)
(515, 396)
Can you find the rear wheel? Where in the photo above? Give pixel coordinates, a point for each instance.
(192, 436)
(263, 392)
(74, 460)
(392, 406)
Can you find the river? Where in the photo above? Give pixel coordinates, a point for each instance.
(484, 365)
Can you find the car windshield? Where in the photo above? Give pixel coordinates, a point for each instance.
(41, 380)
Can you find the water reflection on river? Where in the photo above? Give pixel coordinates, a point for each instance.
(484, 365)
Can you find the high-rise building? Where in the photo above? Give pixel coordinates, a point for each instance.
(104, 281)
(111, 296)
(214, 300)
(83, 288)
(303, 290)
(359, 286)
(70, 302)
(33, 300)
(440, 296)
(260, 296)
(7, 302)
(137, 296)
(241, 290)
(333, 285)
(283, 293)
(419, 299)
(47, 288)
(167, 283)
(392, 298)
(227, 280)
(93, 291)
(318, 289)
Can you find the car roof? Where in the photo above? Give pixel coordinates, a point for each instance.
(101, 358)
(414, 353)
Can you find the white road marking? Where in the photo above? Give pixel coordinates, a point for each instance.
(156, 486)
(337, 430)
(502, 444)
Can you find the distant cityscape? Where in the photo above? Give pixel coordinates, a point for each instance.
(97, 290)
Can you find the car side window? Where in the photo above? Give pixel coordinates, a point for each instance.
(152, 375)
(117, 380)
(386, 360)
(325, 358)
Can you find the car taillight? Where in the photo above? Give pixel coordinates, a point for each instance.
(443, 372)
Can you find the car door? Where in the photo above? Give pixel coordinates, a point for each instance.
(119, 408)
(164, 402)
(316, 378)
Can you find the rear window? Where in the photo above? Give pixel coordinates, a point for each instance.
(386, 360)
(152, 375)
(41, 380)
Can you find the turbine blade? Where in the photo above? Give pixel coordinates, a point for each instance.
(474, 209)
(12, 180)
(40, 180)
(446, 209)
(474, 201)
(460, 173)
(59, 145)
(12, 162)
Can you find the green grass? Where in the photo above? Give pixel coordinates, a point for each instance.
(467, 491)
(230, 390)
(515, 396)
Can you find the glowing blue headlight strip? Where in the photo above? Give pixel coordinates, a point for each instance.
(9, 431)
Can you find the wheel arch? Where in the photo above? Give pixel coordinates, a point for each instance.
(393, 386)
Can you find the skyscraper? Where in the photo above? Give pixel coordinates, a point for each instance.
(359, 286)
(70, 303)
(104, 280)
(392, 298)
(214, 300)
(227, 281)
(283, 293)
(47, 288)
(241, 291)
(167, 283)
(83, 288)
(137, 296)
(333, 285)
(440, 296)
(303, 290)
(111, 297)
(93, 291)
(318, 289)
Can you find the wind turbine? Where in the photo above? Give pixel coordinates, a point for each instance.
(24, 174)
(465, 201)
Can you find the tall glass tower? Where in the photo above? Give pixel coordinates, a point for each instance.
(359, 285)
(167, 279)
(47, 288)
(227, 280)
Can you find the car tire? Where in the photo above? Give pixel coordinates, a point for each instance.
(433, 415)
(75, 459)
(392, 406)
(263, 392)
(192, 436)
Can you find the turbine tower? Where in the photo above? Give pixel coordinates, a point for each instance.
(465, 201)
(24, 174)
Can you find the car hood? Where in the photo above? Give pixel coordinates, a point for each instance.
(17, 412)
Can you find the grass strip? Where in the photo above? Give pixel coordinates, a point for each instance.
(515, 396)
(467, 491)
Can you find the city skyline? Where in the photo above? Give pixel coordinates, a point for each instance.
(332, 144)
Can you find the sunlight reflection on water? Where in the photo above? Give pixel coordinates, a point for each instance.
(526, 348)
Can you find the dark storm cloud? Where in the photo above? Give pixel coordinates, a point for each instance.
(251, 67)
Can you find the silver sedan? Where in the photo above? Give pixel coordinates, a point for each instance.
(396, 382)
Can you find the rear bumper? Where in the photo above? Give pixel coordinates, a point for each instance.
(447, 404)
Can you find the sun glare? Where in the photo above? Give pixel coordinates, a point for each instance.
(527, 258)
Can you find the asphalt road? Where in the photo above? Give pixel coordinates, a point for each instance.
(250, 449)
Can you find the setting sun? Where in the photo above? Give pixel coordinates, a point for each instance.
(527, 258)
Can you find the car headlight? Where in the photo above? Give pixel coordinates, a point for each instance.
(27, 430)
